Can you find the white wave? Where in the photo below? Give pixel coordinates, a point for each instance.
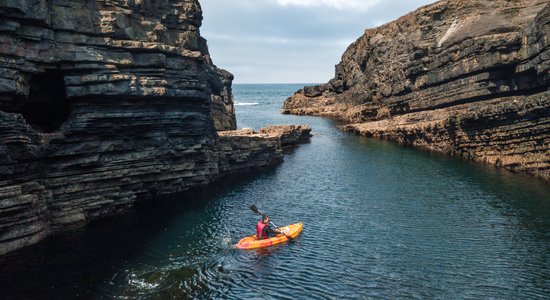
(246, 103)
(141, 284)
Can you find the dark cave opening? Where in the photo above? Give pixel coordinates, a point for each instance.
(47, 106)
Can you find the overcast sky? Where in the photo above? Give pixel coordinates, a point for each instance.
(290, 41)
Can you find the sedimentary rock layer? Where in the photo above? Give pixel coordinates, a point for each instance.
(287, 135)
(290, 135)
(104, 103)
(479, 70)
(242, 150)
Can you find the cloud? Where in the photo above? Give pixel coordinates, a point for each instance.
(338, 4)
(278, 41)
(290, 40)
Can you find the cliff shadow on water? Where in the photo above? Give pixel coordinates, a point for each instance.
(82, 261)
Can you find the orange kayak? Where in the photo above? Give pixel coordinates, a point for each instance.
(252, 242)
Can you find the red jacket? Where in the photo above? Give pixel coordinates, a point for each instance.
(260, 232)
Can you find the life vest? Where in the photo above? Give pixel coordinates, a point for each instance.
(260, 233)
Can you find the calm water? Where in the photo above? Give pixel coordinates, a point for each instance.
(381, 222)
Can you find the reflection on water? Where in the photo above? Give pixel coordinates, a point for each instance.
(380, 221)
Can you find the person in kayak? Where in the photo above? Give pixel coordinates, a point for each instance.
(263, 230)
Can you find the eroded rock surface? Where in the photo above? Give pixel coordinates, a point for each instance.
(287, 135)
(479, 70)
(290, 135)
(245, 149)
(104, 103)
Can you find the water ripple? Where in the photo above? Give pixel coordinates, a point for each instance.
(381, 222)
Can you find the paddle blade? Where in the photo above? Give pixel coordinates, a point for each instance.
(255, 209)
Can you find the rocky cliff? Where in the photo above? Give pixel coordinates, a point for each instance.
(104, 103)
(465, 77)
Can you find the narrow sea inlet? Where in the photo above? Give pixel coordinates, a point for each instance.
(380, 222)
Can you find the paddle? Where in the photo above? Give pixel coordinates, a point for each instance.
(255, 209)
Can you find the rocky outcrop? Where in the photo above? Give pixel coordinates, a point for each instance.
(510, 132)
(104, 103)
(468, 78)
(245, 149)
(222, 109)
(290, 135)
(287, 135)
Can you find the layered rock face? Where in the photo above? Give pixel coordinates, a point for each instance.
(290, 135)
(287, 135)
(467, 78)
(104, 103)
(242, 150)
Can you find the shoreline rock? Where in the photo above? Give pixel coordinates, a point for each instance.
(288, 135)
(246, 149)
(465, 78)
(454, 131)
(107, 103)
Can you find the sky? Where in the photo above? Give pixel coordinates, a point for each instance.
(290, 41)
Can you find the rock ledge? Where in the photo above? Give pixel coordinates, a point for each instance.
(468, 78)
